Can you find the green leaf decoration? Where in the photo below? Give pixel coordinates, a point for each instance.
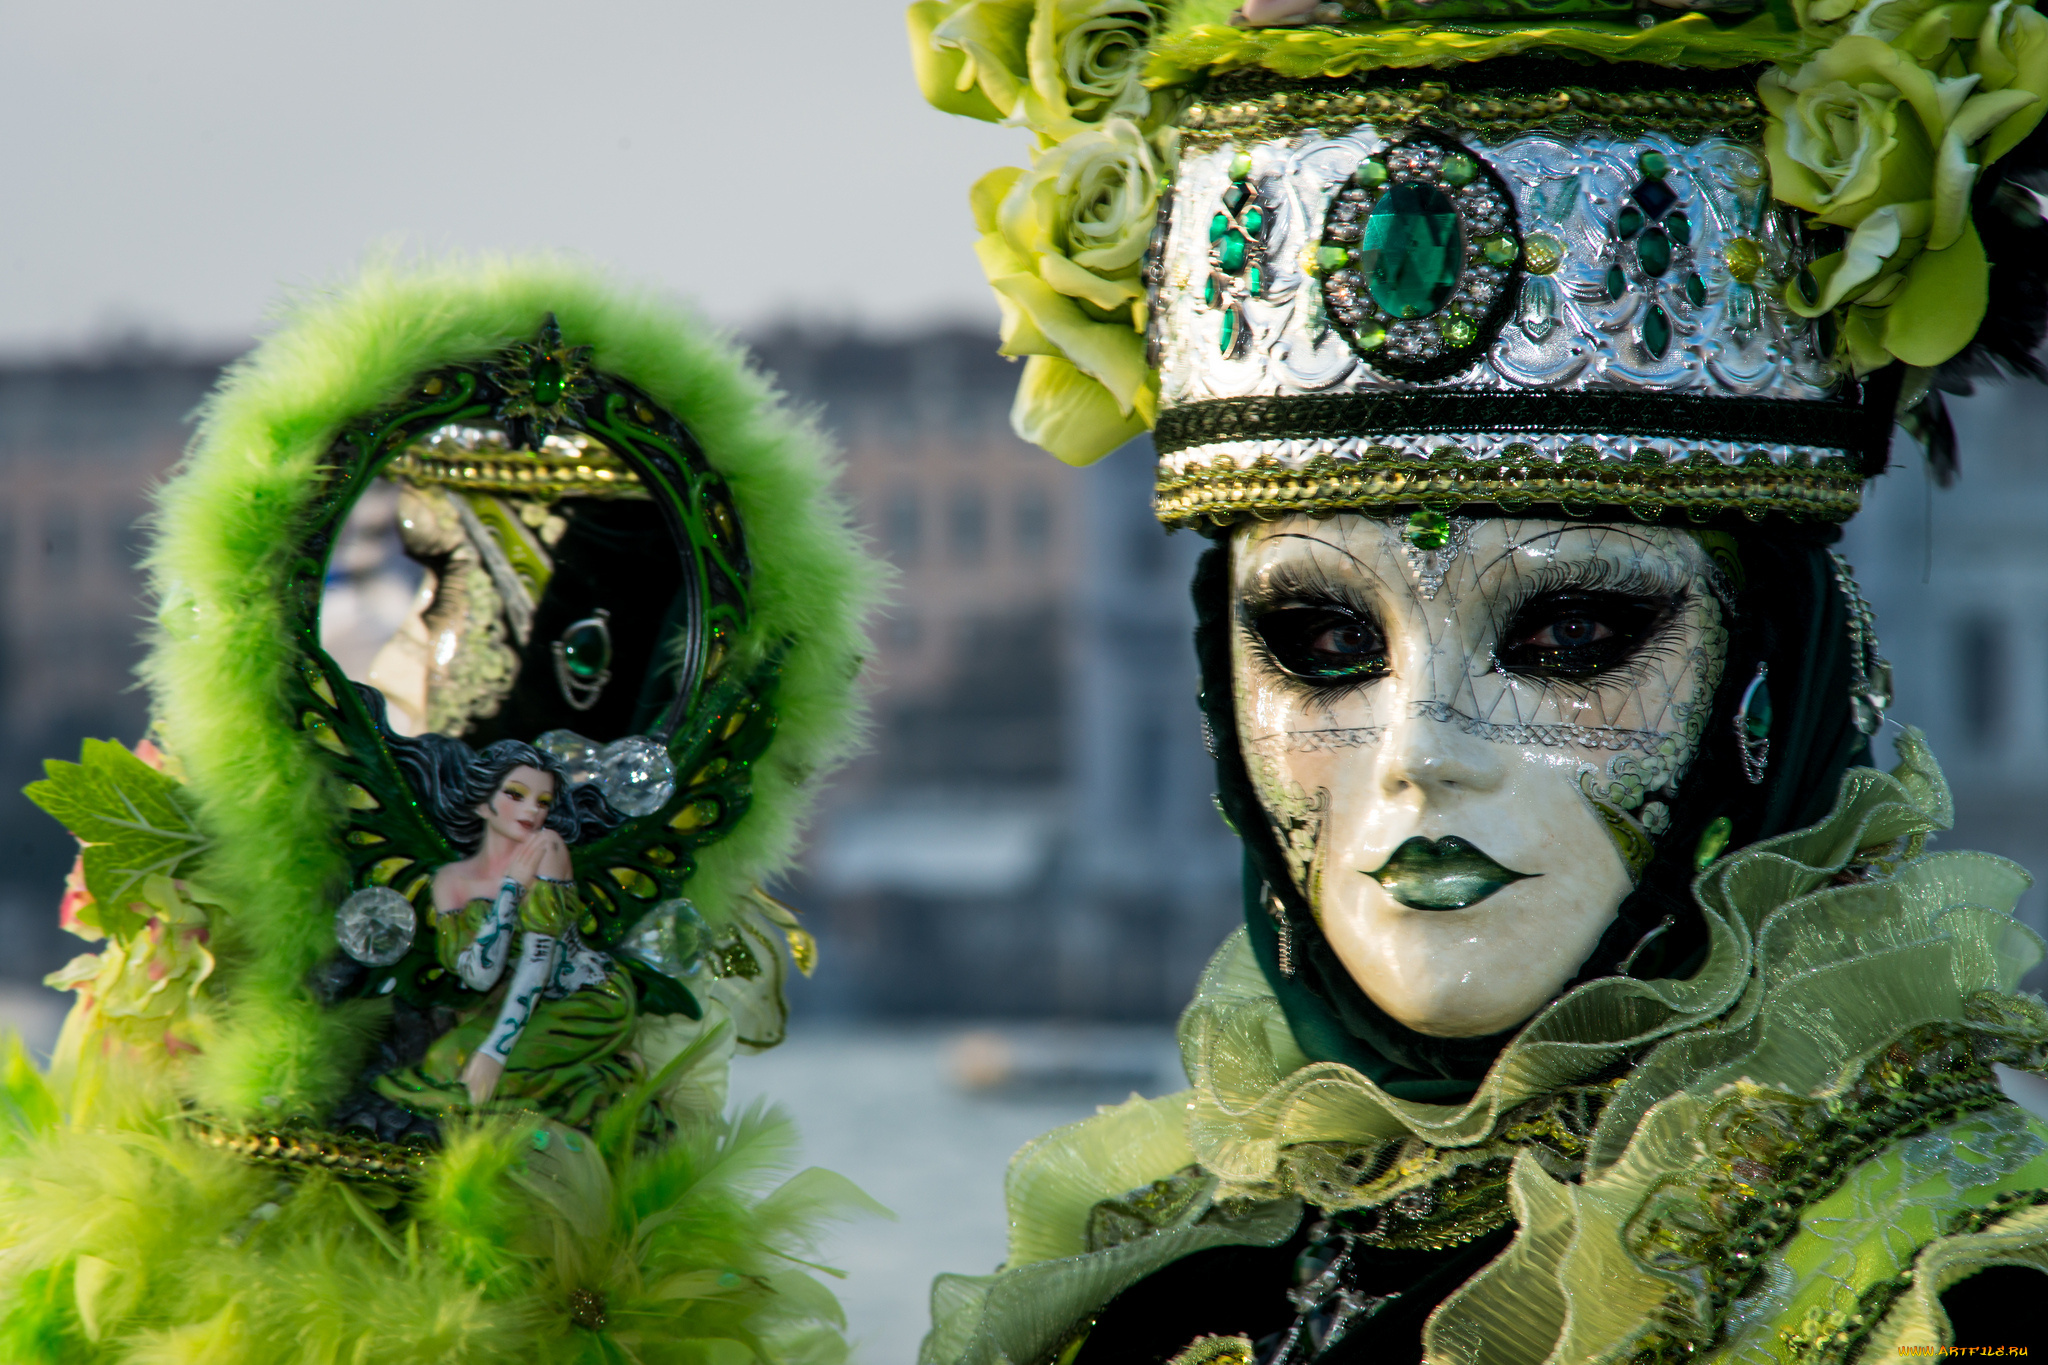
(130, 817)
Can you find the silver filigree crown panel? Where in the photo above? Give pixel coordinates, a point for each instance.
(1366, 263)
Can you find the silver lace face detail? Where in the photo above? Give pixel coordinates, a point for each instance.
(1740, 342)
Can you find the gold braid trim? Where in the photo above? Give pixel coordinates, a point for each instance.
(1494, 114)
(352, 1158)
(1702, 489)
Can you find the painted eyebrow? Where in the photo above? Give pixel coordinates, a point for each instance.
(1309, 564)
(1627, 533)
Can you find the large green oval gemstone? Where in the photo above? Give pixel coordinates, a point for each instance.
(1412, 252)
(586, 650)
(1653, 252)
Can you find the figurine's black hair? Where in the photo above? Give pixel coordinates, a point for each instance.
(451, 780)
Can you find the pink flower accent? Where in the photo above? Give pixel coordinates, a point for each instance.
(76, 898)
(154, 756)
(1276, 11)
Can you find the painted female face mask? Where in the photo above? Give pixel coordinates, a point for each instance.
(1465, 751)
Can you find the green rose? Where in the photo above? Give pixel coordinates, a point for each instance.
(1063, 245)
(1866, 136)
(1056, 66)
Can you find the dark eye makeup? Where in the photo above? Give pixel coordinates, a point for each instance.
(1324, 644)
(1580, 635)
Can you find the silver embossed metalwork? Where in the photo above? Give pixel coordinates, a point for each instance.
(1485, 449)
(1740, 341)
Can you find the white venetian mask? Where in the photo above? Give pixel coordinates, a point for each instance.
(1465, 751)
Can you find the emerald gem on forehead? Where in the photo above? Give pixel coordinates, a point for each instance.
(1411, 250)
(587, 650)
(1427, 530)
(1756, 710)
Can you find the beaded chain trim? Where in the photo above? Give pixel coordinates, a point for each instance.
(1684, 114)
(1579, 483)
(479, 460)
(386, 1163)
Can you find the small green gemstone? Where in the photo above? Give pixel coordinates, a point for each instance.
(1695, 290)
(1680, 228)
(1498, 249)
(1226, 340)
(1756, 710)
(1713, 839)
(1617, 283)
(1212, 290)
(1330, 258)
(1457, 330)
(1219, 225)
(1458, 169)
(1809, 288)
(1370, 337)
(1428, 530)
(586, 652)
(1234, 197)
(1254, 280)
(1254, 220)
(1653, 252)
(1629, 221)
(1240, 165)
(1230, 254)
(1656, 332)
(1656, 165)
(1370, 175)
(548, 380)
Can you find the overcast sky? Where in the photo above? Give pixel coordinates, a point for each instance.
(171, 168)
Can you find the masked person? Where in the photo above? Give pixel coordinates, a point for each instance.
(1596, 999)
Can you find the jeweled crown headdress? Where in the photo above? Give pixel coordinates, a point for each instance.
(1464, 252)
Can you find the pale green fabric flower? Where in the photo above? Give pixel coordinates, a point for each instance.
(1869, 137)
(1063, 245)
(1055, 66)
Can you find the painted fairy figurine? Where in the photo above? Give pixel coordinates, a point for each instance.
(553, 1018)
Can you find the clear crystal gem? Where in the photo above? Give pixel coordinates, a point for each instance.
(636, 775)
(579, 755)
(375, 926)
(670, 938)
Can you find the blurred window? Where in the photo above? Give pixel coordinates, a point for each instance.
(1034, 524)
(901, 527)
(1980, 681)
(969, 525)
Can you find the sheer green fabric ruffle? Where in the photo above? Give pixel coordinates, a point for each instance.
(1813, 968)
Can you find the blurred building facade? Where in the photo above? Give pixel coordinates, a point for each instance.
(1031, 833)
(81, 445)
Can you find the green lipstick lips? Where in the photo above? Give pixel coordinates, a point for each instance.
(1444, 874)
